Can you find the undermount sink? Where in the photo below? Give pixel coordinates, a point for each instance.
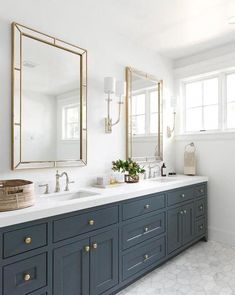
(71, 196)
(165, 179)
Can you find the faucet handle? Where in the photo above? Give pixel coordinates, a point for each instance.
(46, 188)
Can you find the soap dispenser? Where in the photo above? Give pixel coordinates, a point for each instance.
(163, 170)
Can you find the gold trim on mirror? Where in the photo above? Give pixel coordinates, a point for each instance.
(129, 129)
(18, 31)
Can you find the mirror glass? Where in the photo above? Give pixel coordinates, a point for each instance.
(144, 116)
(49, 104)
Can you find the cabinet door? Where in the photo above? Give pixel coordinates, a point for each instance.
(104, 262)
(71, 269)
(188, 223)
(174, 232)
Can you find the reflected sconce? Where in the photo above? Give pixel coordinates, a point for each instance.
(169, 129)
(111, 86)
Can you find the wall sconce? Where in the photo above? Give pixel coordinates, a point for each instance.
(169, 129)
(112, 86)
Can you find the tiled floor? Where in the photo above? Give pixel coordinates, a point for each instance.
(204, 269)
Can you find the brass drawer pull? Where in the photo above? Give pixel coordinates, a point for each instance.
(185, 211)
(87, 248)
(183, 196)
(201, 226)
(201, 208)
(146, 229)
(28, 240)
(146, 257)
(201, 190)
(91, 222)
(27, 277)
(95, 246)
(181, 212)
(147, 206)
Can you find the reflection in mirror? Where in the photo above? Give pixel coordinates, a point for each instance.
(144, 116)
(49, 104)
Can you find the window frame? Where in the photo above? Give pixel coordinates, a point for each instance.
(65, 122)
(222, 102)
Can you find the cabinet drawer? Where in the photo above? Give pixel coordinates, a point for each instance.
(179, 196)
(199, 190)
(79, 224)
(200, 209)
(142, 230)
(25, 239)
(142, 257)
(143, 206)
(25, 276)
(200, 227)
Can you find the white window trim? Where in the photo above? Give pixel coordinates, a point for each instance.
(222, 131)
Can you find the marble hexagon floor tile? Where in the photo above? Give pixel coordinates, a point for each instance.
(204, 269)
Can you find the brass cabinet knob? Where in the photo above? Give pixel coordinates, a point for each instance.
(183, 196)
(28, 240)
(146, 229)
(27, 277)
(146, 256)
(87, 248)
(201, 190)
(147, 206)
(95, 246)
(181, 212)
(91, 222)
(201, 208)
(201, 226)
(185, 211)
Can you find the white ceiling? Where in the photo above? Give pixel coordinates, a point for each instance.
(175, 28)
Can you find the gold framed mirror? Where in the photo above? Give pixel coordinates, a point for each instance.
(49, 101)
(144, 117)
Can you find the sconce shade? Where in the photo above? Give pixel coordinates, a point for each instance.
(120, 88)
(109, 85)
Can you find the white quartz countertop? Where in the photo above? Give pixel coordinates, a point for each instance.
(49, 205)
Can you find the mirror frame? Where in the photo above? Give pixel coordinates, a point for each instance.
(129, 142)
(18, 31)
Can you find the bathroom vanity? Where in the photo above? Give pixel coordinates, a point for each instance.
(100, 244)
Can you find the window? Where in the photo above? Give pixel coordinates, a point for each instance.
(230, 86)
(209, 103)
(71, 123)
(201, 105)
(145, 112)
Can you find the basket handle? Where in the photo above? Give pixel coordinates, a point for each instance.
(15, 192)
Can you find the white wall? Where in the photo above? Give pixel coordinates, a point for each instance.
(83, 24)
(215, 153)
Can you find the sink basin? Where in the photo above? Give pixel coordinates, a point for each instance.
(165, 179)
(71, 196)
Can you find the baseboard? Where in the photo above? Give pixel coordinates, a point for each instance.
(220, 235)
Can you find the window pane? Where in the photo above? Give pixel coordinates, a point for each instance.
(72, 114)
(72, 131)
(231, 115)
(138, 124)
(154, 101)
(194, 119)
(193, 94)
(231, 87)
(211, 117)
(211, 91)
(154, 123)
(138, 104)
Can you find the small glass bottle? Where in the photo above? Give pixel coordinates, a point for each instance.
(163, 170)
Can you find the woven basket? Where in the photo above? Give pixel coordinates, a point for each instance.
(16, 194)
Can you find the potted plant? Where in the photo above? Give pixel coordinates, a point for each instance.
(131, 168)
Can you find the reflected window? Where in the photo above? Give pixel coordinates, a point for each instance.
(71, 122)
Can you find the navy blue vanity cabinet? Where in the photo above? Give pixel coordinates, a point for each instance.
(71, 269)
(101, 250)
(181, 226)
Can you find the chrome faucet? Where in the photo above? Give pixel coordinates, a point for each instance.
(58, 176)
